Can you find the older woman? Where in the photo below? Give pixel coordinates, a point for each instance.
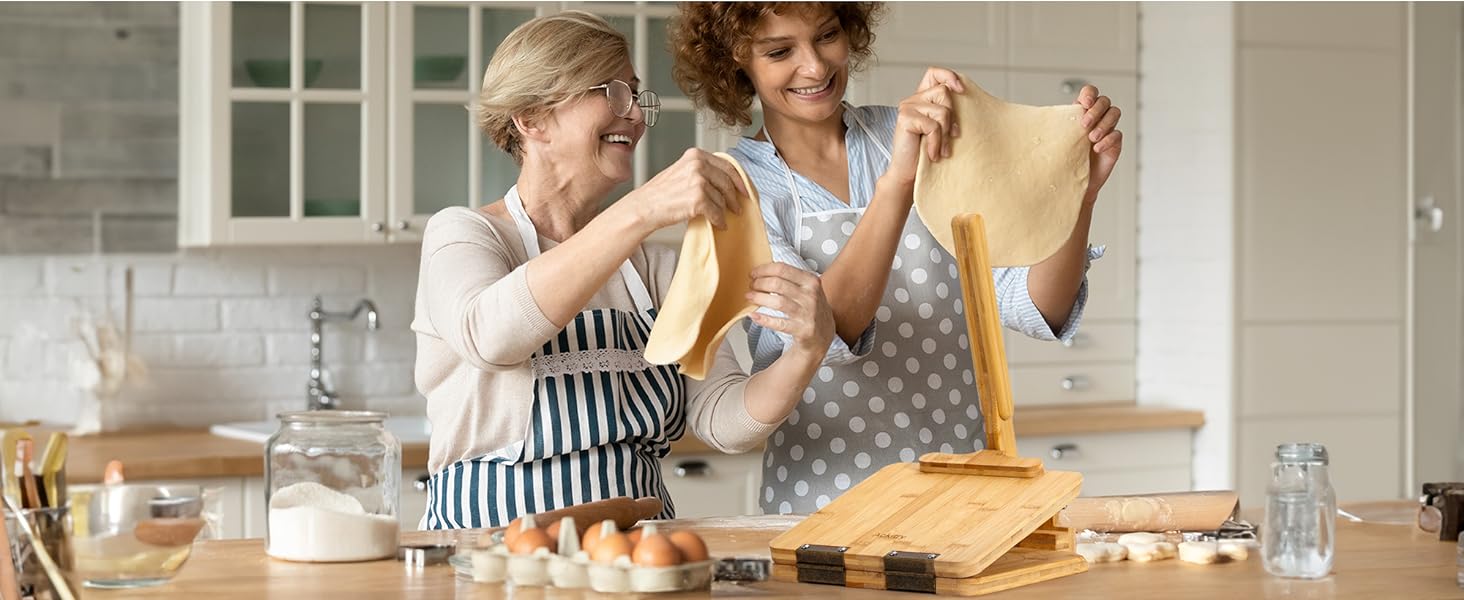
(837, 184)
(532, 312)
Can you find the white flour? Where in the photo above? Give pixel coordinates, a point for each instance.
(313, 523)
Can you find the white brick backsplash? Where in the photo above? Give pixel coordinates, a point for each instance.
(154, 349)
(266, 314)
(77, 276)
(1186, 298)
(176, 314)
(391, 345)
(411, 405)
(36, 316)
(45, 400)
(308, 280)
(20, 277)
(386, 379)
(338, 347)
(206, 385)
(218, 350)
(219, 280)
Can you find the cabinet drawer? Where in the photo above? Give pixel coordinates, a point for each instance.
(412, 503)
(1093, 342)
(1117, 451)
(713, 485)
(1078, 383)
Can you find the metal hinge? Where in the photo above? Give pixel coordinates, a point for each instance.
(821, 564)
(910, 571)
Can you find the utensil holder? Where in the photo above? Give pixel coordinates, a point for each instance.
(53, 527)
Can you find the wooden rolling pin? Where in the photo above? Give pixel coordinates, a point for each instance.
(1182, 511)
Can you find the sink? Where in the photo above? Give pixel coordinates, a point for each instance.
(409, 430)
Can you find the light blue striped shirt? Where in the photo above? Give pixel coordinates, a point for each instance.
(866, 164)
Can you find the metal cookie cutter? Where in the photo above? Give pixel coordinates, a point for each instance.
(743, 570)
(422, 555)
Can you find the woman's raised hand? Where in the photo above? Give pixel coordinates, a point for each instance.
(926, 123)
(698, 184)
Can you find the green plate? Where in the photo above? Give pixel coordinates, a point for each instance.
(275, 73)
(439, 67)
(317, 207)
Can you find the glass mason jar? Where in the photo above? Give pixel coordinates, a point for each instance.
(1301, 513)
(333, 479)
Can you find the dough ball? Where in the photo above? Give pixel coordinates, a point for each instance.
(1200, 553)
(1237, 549)
(1101, 552)
(1151, 552)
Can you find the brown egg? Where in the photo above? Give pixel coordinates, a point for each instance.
(593, 535)
(656, 550)
(530, 540)
(553, 530)
(511, 534)
(692, 548)
(635, 535)
(612, 547)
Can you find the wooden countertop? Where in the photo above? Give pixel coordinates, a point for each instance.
(180, 454)
(186, 454)
(1058, 420)
(1373, 561)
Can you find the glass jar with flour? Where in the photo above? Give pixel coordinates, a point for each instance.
(333, 478)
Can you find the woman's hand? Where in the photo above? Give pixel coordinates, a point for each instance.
(1101, 121)
(926, 124)
(798, 294)
(696, 185)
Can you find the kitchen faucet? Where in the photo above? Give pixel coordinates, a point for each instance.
(319, 392)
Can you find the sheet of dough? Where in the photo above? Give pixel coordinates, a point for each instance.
(708, 293)
(1024, 168)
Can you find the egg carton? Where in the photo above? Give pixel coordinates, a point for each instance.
(571, 568)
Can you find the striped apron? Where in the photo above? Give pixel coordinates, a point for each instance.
(602, 420)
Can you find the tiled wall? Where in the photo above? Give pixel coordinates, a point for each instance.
(1186, 299)
(89, 142)
(223, 333)
(88, 163)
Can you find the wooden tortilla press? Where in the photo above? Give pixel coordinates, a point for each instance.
(952, 524)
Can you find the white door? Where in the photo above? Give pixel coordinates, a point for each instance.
(1437, 308)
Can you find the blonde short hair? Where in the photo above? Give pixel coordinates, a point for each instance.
(542, 64)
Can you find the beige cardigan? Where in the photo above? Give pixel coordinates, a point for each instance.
(477, 326)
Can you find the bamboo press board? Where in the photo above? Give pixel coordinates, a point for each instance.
(953, 524)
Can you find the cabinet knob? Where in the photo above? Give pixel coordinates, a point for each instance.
(378, 227)
(1074, 383)
(402, 225)
(1062, 451)
(693, 468)
(1073, 86)
(421, 483)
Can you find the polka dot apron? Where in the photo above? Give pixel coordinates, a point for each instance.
(913, 393)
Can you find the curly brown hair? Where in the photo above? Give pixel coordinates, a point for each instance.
(711, 40)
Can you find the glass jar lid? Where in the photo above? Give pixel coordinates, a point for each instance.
(1302, 452)
(333, 417)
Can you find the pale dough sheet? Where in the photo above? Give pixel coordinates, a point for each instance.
(708, 294)
(1024, 168)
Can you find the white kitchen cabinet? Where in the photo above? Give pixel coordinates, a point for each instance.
(713, 485)
(1122, 462)
(1100, 36)
(1072, 383)
(344, 123)
(967, 33)
(413, 501)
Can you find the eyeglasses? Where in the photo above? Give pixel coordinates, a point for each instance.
(621, 97)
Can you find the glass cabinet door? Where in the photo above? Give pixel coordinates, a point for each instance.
(302, 121)
(439, 52)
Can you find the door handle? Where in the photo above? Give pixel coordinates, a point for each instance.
(1062, 451)
(693, 468)
(1430, 214)
(421, 483)
(1074, 383)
